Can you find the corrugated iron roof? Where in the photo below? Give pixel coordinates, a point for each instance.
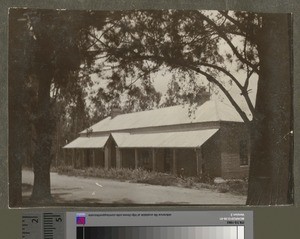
(210, 111)
(181, 139)
(88, 142)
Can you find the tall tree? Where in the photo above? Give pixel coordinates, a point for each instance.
(126, 95)
(216, 46)
(185, 91)
(271, 172)
(62, 44)
(58, 44)
(72, 114)
(19, 67)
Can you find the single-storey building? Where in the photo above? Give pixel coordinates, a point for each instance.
(211, 139)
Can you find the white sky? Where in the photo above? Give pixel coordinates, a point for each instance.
(162, 78)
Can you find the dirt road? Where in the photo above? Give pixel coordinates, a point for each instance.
(68, 189)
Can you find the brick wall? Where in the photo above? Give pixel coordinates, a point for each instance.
(211, 156)
(231, 135)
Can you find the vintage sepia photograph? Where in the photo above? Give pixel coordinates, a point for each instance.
(150, 107)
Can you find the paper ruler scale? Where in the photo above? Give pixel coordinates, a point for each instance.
(43, 225)
(31, 226)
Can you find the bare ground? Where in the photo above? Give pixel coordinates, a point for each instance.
(80, 191)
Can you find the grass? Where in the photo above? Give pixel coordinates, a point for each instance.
(238, 187)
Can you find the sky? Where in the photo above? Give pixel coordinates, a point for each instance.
(162, 78)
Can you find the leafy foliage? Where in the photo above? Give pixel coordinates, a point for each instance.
(183, 92)
(51, 67)
(207, 45)
(129, 97)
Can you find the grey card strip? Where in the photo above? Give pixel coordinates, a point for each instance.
(239, 224)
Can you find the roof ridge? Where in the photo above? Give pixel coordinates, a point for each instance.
(167, 116)
(162, 108)
(142, 111)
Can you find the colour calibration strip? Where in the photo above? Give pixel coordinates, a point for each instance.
(160, 225)
(211, 232)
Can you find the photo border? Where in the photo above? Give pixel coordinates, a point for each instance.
(263, 213)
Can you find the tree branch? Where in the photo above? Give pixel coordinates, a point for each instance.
(208, 77)
(247, 80)
(240, 26)
(239, 85)
(222, 34)
(235, 22)
(222, 88)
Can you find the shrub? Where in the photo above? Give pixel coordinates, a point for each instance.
(140, 175)
(159, 179)
(205, 178)
(223, 188)
(238, 186)
(133, 175)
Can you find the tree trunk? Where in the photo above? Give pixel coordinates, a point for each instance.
(16, 157)
(270, 176)
(44, 135)
(18, 120)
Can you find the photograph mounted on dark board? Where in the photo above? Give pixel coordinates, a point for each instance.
(149, 107)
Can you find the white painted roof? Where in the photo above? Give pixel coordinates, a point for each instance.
(181, 139)
(88, 142)
(210, 111)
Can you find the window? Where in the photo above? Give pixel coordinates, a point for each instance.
(244, 153)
